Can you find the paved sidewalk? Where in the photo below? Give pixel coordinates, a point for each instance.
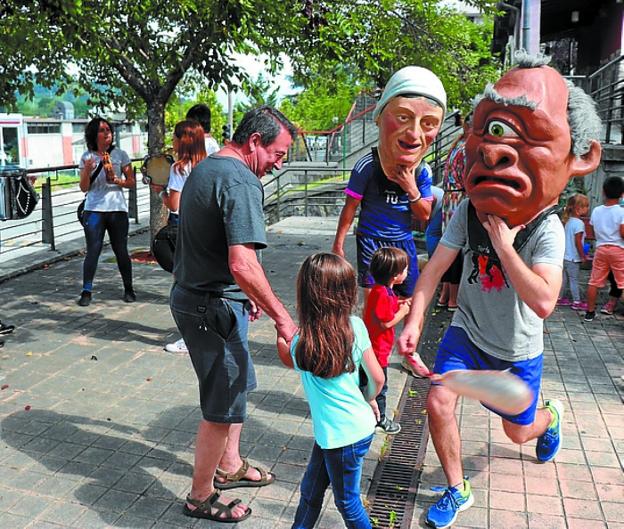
(97, 422)
(107, 437)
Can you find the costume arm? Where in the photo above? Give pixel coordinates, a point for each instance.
(426, 285)
(421, 210)
(249, 275)
(537, 286)
(344, 223)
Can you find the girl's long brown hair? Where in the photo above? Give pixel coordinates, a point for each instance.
(573, 202)
(191, 145)
(326, 297)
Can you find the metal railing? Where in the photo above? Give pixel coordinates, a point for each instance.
(606, 86)
(54, 218)
(316, 190)
(335, 145)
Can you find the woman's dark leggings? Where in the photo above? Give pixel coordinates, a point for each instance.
(96, 223)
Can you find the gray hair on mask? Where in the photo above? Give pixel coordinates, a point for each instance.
(583, 119)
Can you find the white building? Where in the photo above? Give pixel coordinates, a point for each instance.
(49, 142)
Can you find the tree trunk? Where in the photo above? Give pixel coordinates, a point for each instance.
(155, 143)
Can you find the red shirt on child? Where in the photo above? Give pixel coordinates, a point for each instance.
(381, 306)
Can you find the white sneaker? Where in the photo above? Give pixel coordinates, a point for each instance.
(176, 347)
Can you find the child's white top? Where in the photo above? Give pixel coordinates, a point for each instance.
(340, 414)
(606, 221)
(572, 227)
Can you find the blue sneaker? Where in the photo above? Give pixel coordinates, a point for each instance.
(549, 444)
(443, 513)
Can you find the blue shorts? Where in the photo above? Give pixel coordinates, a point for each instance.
(456, 351)
(366, 247)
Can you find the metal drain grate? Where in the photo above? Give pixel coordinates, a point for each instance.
(394, 486)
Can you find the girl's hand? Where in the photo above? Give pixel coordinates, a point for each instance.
(373, 404)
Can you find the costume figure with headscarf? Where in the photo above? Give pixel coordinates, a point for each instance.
(392, 184)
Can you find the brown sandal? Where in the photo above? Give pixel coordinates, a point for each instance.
(203, 509)
(238, 479)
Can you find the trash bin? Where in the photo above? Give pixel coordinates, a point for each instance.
(17, 195)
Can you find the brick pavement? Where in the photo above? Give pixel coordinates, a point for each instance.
(584, 487)
(107, 441)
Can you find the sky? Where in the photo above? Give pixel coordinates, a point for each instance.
(254, 66)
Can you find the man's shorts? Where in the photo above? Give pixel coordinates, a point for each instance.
(608, 257)
(366, 247)
(215, 332)
(456, 351)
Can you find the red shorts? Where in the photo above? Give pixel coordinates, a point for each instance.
(608, 258)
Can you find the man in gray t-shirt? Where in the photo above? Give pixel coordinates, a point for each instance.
(531, 133)
(219, 287)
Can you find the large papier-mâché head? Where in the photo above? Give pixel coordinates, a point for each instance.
(409, 115)
(531, 133)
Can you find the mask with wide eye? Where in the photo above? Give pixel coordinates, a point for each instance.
(500, 129)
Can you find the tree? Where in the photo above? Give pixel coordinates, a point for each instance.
(323, 101)
(133, 55)
(374, 39)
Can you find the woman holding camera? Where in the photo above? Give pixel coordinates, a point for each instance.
(104, 171)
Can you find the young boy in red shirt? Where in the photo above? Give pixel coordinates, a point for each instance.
(383, 310)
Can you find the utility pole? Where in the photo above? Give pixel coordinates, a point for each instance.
(230, 112)
(531, 13)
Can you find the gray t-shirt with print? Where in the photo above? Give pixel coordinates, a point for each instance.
(490, 311)
(220, 206)
(103, 196)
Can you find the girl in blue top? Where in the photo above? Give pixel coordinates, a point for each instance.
(327, 352)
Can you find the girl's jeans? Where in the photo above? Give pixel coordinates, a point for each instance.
(571, 275)
(342, 467)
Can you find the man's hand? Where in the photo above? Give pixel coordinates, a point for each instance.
(254, 311)
(286, 330)
(501, 235)
(408, 341)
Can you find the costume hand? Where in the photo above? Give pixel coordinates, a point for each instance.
(254, 312)
(405, 178)
(501, 235)
(375, 407)
(408, 341)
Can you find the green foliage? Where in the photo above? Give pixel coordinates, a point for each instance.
(324, 102)
(374, 39)
(183, 99)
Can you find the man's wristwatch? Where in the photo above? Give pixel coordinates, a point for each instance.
(163, 193)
